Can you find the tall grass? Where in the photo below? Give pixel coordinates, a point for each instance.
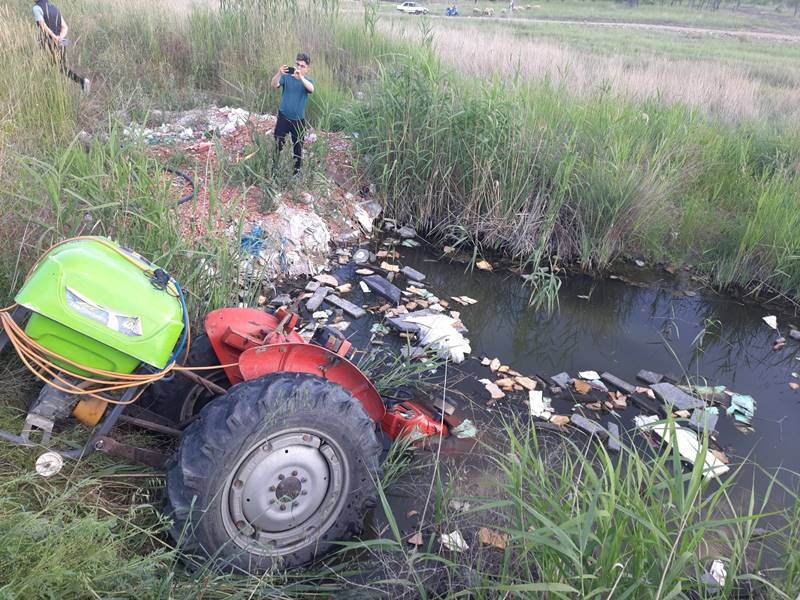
(533, 172)
(581, 523)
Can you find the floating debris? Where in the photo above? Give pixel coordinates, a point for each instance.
(412, 274)
(688, 447)
(483, 265)
(351, 309)
(742, 408)
(675, 398)
(383, 288)
(705, 419)
(416, 539)
(613, 442)
(588, 425)
(771, 320)
(649, 376)
(317, 298)
(590, 375)
(539, 405)
(326, 279)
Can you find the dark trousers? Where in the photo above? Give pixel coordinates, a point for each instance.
(59, 56)
(295, 129)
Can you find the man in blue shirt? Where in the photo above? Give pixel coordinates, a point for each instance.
(53, 31)
(292, 111)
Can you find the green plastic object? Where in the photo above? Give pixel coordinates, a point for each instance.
(97, 308)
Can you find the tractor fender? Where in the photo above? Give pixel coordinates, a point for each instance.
(298, 357)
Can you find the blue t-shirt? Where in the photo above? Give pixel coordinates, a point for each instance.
(295, 95)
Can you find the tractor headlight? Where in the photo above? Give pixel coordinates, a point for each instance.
(130, 326)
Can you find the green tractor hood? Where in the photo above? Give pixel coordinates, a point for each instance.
(96, 305)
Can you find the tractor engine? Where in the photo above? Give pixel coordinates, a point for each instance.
(97, 304)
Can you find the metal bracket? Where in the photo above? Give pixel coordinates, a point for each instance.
(147, 457)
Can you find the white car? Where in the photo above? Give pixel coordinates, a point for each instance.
(412, 8)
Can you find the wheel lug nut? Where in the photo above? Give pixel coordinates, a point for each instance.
(306, 437)
(294, 473)
(303, 480)
(266, 447)
(272, 488)
(303, 493)
(238, 484)
(240, 524)
(295, 503)
(283, 507)
(280, 476)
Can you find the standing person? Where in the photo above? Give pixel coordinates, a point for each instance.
(292, 111)
(53, 34)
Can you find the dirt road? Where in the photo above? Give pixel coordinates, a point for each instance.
(752, 35)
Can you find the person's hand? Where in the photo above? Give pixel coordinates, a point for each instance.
(297, 74)
(284, 69)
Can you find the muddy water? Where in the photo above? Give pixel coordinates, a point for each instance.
(611, 325)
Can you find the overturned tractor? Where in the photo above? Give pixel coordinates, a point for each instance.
(279, 438)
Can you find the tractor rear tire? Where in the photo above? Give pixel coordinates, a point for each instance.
(273, 473)
(178, 398)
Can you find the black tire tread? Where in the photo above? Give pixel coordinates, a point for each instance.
(223, 428)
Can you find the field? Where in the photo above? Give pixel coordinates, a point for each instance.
(604, 144)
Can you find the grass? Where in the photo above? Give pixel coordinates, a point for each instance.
(580, 523)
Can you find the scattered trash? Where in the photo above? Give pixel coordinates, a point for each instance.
(464, 430)
(345, 288)
(742, 408)
(454, 541)
(483, 265)
(618, 383)
(559, 420)
(489, 537)
(771, 320)
(539, 405)
(649, 376)
(365, 271)
(316, 299)
(688, 447)
(459, 505)
(590, 375)
(639, 263)
(364, 287)
(326, 279)
(406, 232)
(351, 309)
(613, 442)
(320, 314)
(389, 267)
(794, 334)
(794, 386)
(493, 389)
(409, 243)
(416, 539)
(588, 425)
(361, 256)
(412, 274)
(526, 382)
(49, 464)
(438, 332)
(581, 386)
(674, 398)
(383, 288)
(705, 419)
(494, 364)
(561, 379)
(715, 578)
(412, 513)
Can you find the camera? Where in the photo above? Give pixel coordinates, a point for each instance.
(290, 70)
